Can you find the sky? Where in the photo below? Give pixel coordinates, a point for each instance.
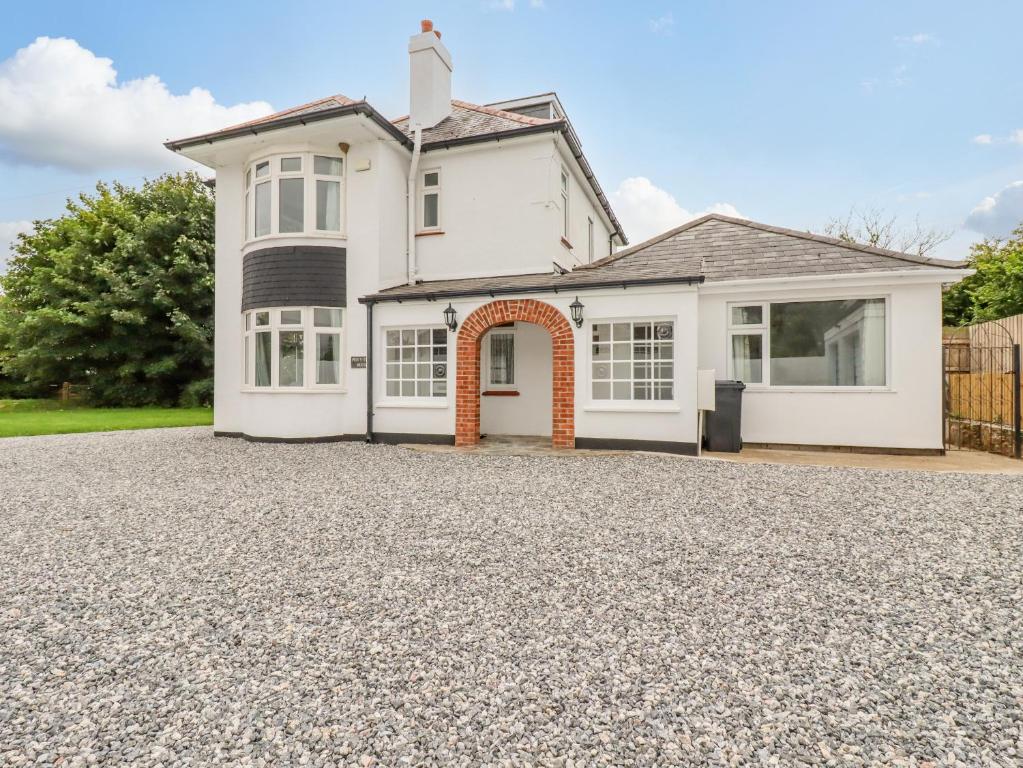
(788, 113)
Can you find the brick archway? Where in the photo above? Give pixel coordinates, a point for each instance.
(467, 387)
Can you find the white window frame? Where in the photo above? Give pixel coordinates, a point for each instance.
(489, 384)
(590, 237)
(428, 400)
(308, 195)
(764, 329)
(632, 404)
(309, 330)
(565, 185)
(434, 190)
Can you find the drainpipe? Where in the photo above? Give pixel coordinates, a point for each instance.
(369, 371)
(417, 145)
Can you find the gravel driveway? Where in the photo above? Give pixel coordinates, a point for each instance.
(171, 598)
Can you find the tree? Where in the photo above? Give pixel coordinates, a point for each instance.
(116, 294)
(995, 290)
(874, 227)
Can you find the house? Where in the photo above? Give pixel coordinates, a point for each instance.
(460, 271)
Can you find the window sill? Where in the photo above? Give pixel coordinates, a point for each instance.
(293, 235)
(567, 244)
(430, 232)
(757, 388)
(294, 391)
(413, 403)
(500, 393)
(630, 407)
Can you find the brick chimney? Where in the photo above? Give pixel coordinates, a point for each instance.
(430, 78)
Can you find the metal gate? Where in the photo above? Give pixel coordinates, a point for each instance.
(981, 397)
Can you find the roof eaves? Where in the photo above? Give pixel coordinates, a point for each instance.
(361, 107)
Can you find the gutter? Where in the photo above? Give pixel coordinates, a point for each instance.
(410, 248)
(568, 288)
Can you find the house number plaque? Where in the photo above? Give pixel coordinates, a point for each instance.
(358, 361)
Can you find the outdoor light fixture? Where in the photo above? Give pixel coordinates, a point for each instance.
(577, 312)
(449, 318)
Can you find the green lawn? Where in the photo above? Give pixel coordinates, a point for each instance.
(51, 417)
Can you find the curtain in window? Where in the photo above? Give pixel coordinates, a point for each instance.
(502, 359)
(748, 357)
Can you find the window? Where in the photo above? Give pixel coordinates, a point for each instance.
(431, 199)
(501, 358)
(838, 343)
(589, 239)
(416, 362)
(292, 348)
(564, 203)
(633, 360)
(294, 193)
(327, 172)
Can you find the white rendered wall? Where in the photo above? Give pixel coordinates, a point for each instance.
(907, 414)
(582, 206)
(500, 211)
(530, 412)
(227, 344)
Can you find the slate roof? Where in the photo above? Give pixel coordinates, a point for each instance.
(713, 248)
(725, 248)
(474, 121)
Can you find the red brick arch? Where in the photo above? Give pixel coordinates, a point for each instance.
(467, 387)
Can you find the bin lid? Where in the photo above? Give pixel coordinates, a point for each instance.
(728, 384)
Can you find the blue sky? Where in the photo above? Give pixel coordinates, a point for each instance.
(788, 113)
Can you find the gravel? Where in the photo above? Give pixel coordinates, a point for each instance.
(170, 598)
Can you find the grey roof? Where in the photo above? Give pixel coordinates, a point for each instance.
(724, 248)
(471, 121)
(713, 248)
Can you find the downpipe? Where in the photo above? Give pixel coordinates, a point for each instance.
(410, 250)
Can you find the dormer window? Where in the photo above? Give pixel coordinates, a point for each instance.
(292, 194)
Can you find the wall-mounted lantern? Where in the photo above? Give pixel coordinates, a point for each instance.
(577, 312)
(449, 318)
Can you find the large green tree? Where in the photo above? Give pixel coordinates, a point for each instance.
(117, 294)
(996, 289)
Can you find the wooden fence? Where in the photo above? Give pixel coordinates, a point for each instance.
(983, 397)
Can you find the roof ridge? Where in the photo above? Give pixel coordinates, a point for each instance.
(909, 257)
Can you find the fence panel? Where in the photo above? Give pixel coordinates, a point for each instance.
(982, 397)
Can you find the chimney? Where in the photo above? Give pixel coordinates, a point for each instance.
(430, 80)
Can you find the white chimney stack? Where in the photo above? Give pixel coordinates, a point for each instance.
(430, 69)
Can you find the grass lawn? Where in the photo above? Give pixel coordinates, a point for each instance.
(51, 417)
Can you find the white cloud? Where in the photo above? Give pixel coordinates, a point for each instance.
(537, 4)
(999, 214)
(647, 210)
(663, 25)
(1016, 137)
(982, 138)
(919, 38)
(62, 105)
(503, 5)
(8, 234)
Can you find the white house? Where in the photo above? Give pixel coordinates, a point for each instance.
(459, 272)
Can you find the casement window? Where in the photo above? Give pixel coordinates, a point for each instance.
(633, 360)
(500, 358)
(564, 203)
(429, 206)
(589, 239)
(416, 362)
(835, 343)
(292, 348)
(288, 194)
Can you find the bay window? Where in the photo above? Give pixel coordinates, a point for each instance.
(293, 348)
(294, 193)
(633, 360)
(416, 362)
(834, 343)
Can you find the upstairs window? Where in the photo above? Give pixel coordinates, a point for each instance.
(589, 239)
(296, 193)
(430, 205)
(564, 203)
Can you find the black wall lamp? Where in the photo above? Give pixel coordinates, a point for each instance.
(449, 318)
(577, 312)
